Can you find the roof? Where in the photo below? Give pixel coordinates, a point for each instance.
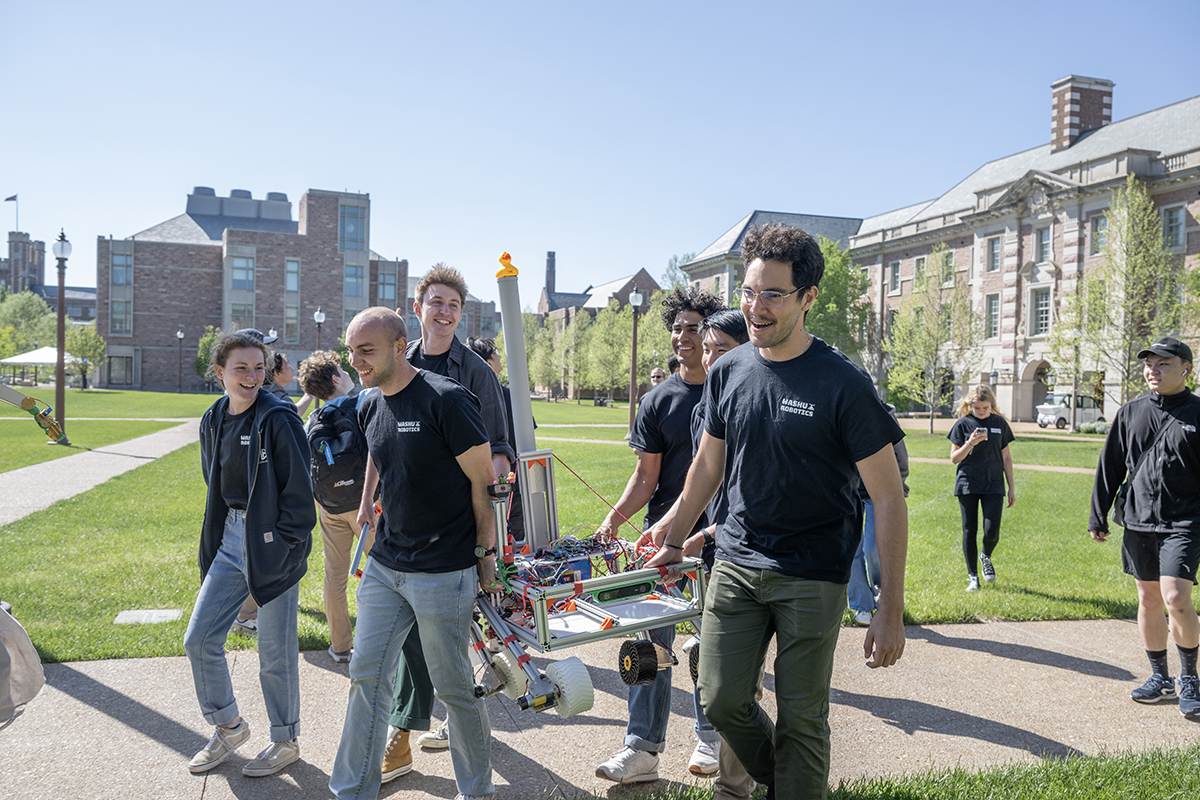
(839, 229)
(209, 228)
(69, 292)
(598, 296)
(1168, 130)
(557, 300)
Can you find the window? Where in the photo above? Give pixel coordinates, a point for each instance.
(948, 266)
(241, 315)
(74, 311)
(122, 270)
(120, 318)
(291, 279)
(348, 315)
(352, 228)
(891, 322)
(354, 281)
(387, 288)
(1099, 234)
(1041, 312)
(1173, 227)
(291, 324)
(1041, 248)
(919, 269)
(993, 316)
(894, 276)
(993, 263)
(120, 370)
(243, 275)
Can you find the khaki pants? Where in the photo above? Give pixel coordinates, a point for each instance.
(337, 535)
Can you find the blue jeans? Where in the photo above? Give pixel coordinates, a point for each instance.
(864, 571)
(650, 707)
(389, 603)
(221, 596)
(743, 608)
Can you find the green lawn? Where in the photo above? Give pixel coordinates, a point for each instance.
(118, 404)
(1057, 452)
(24, 443)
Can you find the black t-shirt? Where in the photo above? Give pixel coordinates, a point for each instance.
(719, 507)
(439, 364)
(793, 433)
(981, 472)
(663, 425)
(415, 436)
(237, 430)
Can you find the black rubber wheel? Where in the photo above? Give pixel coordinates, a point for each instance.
(1060, 423)
(637, 662)
(694, 663)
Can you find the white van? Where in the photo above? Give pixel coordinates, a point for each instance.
(1056, 412)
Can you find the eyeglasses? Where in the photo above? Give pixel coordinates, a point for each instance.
(768, 299)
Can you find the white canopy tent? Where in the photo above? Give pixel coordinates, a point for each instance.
(42, 357)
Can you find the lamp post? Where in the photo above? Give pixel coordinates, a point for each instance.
(62, 251)
(319, 318)
(179, 336)
(635, 302)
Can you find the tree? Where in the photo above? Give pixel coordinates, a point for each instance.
(31, 320)
(574, 339)
(88, 347)
(608, 350)
(935, 335)
(529, 327)
(675, 277)
(1137, 293)
(1067, 341)
(204, 351)
(653, 337)
(840, 314)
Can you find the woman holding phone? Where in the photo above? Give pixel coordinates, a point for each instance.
(979, 446)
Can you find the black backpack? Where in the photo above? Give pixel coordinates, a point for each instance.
(337, 453)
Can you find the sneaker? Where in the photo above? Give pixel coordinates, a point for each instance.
(246, 627)
(1155, 690)
(862, 617)
(273, 759)
(989, 571)
(630, 766)
(397, 758)
(973, 584)
(1189, 696)
(340, 658)
(461, 796)
(223, 742)
(704, 758)
(437, 739)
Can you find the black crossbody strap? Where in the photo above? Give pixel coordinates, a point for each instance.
(1162, 429)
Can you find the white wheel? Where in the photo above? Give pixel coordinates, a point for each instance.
(575, 693)
(514, 680)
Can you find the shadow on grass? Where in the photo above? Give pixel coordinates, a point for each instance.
(1102, 608)
(1021, 652)
(911, 716)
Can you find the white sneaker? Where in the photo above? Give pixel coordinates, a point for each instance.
(273, 759)
(223, 742)
(340, 658)
(436, 740)
(246, 627)
(973, 584)
(630, 766)
(704, 758)
(862, 617)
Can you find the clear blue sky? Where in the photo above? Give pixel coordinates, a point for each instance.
(616, 133)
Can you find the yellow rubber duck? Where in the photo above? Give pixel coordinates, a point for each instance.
(509, 270)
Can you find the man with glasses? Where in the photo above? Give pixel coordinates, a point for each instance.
(790, 425)
(657, 376)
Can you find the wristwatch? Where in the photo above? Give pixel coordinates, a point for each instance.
(481, 553)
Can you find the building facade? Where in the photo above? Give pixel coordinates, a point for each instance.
(25, 266)
(236, 262)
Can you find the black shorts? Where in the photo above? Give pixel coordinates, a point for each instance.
(1150, 556)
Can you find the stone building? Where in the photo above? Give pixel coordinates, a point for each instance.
(236, 262)
(25, 266)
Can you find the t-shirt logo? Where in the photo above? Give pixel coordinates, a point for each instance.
(245, 440)
(408, 427)
(262, 456)
(796, 407)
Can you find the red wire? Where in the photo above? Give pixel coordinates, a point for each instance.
(585, 483)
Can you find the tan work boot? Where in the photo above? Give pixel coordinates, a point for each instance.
(397, 758)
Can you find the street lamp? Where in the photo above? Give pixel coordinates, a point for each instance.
(319, 318)
(62, 251)
(179, 336)
(635, 301)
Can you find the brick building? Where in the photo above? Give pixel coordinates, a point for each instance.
(1024, 227)
(25, 266)
(236, 262)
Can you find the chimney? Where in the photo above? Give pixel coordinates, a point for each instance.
(1080, 105)
(550, 272)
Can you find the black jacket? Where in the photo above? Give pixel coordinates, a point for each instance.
(280, 514)
(473, 373)
(1165, 494)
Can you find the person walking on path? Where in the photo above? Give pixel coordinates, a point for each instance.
(1150, 468)
(863, 592)
(788, 423)
(979, 446)
(435, 545)
(254, 543)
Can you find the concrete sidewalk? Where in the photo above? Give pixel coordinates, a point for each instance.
(40, 486)
(963, 695)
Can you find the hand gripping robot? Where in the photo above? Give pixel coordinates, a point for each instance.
(560, 591)
(29, 404)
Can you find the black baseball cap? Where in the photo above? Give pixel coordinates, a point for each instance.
(1168, 347)
(257, 334)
